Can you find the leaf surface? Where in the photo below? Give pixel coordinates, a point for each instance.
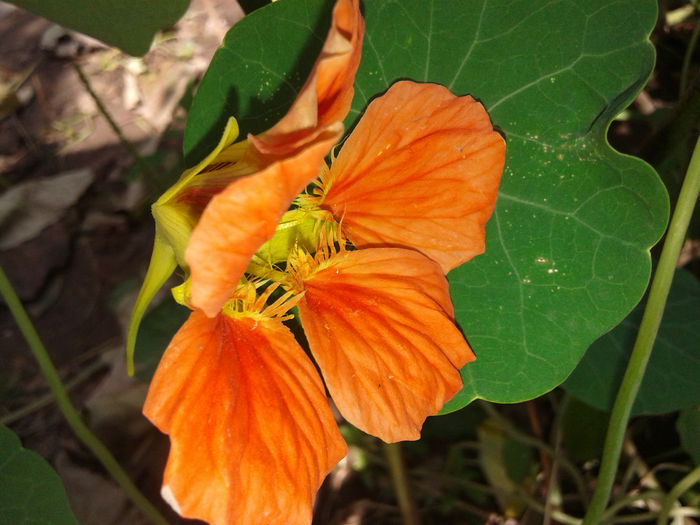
(672, 378)
(127, 24)
(567, 253)
(32, 492)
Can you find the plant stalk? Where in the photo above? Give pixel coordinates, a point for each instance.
(676, 492)
(399, 476)
(67, 408)
(145, 167)
(653, 312)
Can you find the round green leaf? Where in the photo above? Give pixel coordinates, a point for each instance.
(672, 379)
(567, 252)
(31, 493)
(568, 245)
(127, 24)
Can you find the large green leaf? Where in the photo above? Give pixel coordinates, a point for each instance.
(567, 248)
(31, 493)
(127, 24)
(672, 379)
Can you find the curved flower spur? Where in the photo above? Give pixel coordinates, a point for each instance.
(362, 254)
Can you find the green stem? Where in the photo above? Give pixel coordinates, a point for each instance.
(688, 481)
(538, 507)
(516, 434)
(45, 400)
(399, 476)
(146, 168)
(623, 502)
(553, 492)
(66, 406)
(648, 328)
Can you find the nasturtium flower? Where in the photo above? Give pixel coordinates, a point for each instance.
(258, 176)
(361, 252)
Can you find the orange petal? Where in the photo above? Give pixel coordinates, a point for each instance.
(283, 160)
(327, 95)
(240, 219)
(380, 325)
(252, 435)
(420, 170)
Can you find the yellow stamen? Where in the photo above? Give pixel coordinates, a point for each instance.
(247, 303)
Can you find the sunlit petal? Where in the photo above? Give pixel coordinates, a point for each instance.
(239, 220)
(420, 170)
(252, 436)
(380, 325)
(326, 96)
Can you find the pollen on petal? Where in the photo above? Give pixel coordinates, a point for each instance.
(380, 325)
(421, 170)
(252, 435)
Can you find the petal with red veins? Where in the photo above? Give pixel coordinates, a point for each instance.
(282, 162)
(380, 326)
(420, 170)
(239, 220)
(252, 435)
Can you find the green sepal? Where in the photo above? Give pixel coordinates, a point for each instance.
(161, 267)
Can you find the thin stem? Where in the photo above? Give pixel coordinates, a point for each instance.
(45, 400)
(680, 512)
(620, 504)
(553, 498)
(538, 507)
(685, 68)
(537, 431)
(648, 329)
(146, 168)
(66, 406)
(399, 476)
(537, 443)
(684, 484)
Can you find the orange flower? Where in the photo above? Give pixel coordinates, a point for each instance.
(363, 257)
(257, 177)
(252, 434)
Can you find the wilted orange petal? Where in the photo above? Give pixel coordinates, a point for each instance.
(420, 170)
(252, 436)
(380, 325)
(240, 219)
(326, 96)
